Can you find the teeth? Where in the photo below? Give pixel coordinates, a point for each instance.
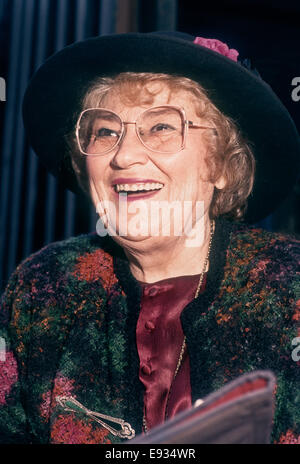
(137, 187)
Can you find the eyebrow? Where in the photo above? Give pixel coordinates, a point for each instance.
(158, 112)
(106, 117)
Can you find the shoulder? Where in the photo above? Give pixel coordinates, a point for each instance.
(62, 268)
(64, 281)
(255, 247)
(82, 257)
(262, 268)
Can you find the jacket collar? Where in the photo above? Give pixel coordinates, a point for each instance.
(216, 269)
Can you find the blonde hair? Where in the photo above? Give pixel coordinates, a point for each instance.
(230, 155)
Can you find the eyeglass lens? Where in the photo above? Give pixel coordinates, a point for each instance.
(160, 129)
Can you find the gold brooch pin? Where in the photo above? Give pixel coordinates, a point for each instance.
(68, 403)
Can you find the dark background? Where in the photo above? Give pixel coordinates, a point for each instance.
(34, 208)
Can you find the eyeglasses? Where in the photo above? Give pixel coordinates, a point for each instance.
(162, 129)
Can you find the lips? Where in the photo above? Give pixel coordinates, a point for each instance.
(136, 186)
(133, 180)
(133, 189)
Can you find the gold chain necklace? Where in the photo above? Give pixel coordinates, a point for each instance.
(183, 347)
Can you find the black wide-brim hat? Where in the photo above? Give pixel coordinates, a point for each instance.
(52, 103)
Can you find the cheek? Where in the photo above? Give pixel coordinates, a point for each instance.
(196, 173)
(189, 179)
(96, 174)
(196, 155)
(94, 196)
(96, 171)
(94, 168)
(198, 184)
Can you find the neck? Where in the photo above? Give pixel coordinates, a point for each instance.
(168, 258)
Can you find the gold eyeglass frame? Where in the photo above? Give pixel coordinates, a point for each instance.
(186, 125)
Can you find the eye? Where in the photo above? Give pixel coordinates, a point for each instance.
(162, 127)
(105, 132)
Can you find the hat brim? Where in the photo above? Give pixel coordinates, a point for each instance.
(53, 97)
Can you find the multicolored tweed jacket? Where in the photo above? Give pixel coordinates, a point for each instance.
(69, 316)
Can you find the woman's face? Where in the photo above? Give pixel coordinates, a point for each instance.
(183, 176)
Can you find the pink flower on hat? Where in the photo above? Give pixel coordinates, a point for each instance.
(217, 46)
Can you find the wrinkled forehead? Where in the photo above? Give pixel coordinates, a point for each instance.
(131, 99)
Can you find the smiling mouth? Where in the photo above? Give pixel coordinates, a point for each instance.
(137, 188)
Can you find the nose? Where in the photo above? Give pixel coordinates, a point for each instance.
(130, 150)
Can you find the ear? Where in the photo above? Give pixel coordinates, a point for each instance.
(221, 183)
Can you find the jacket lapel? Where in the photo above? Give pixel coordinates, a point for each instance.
(99, 365)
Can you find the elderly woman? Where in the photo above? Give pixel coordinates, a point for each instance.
(173, 297)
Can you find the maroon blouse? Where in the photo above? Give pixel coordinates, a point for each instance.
(159, 340)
